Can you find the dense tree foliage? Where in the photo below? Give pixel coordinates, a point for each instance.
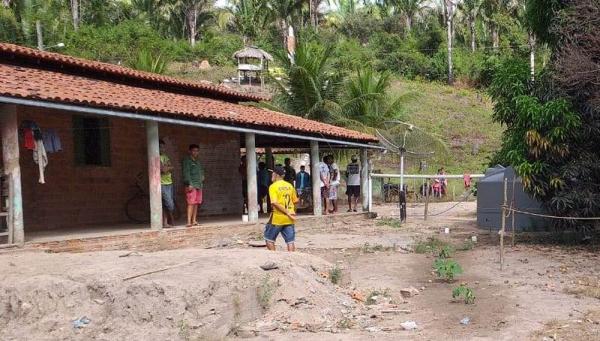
(553, 124)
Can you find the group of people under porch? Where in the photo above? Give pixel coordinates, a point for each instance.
(329, 178)
(300, 182)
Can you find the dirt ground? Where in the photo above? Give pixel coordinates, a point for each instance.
(543, 292)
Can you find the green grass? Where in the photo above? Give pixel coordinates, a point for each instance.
(391, 222)
(461, 117)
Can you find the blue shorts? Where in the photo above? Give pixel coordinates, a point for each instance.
(167, 197)
(287, 231)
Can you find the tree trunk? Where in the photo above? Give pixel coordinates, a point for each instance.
(192, 16)
(450, 72)
(75, 13)
(284, 32)
(472, 28)
(408, 23)
(450, 31)
(40, 36)
(495, 38)
(532, 43)
(314, 13)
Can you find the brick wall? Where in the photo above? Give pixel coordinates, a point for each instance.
(76, 196)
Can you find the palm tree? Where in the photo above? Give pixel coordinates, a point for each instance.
(283, 12)
(367, 102)
(249, 17)
(409, 8)
(471, 10)
(311, 85)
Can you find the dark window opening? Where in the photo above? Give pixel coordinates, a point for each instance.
(92, 141)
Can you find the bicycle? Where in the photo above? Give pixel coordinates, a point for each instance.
(137, 207)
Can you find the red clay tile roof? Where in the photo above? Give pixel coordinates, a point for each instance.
(32, 83)
(23, 54)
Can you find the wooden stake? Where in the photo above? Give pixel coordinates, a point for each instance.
(503, 227)
(426, 201)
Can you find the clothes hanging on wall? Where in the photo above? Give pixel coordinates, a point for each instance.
(52, 141)
(41, 158)
(28, 141)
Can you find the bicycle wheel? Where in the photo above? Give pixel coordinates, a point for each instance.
(137, 209)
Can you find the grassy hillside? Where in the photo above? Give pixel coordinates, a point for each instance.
(461, 118)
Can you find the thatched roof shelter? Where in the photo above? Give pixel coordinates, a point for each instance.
(252, 52)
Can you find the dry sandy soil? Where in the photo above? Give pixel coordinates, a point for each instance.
(543, 292)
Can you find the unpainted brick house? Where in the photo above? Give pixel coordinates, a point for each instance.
(109, 120)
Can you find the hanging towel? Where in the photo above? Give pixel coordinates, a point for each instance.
(52, 141)
(41, 158)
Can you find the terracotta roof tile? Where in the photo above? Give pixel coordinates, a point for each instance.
(21, 53)
(54, 86)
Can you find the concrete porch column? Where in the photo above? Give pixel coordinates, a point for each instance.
(316, 180)
(10, 156)
(156, 212)
(251, 176)
(364, 178)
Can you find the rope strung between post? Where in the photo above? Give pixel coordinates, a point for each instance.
(547, 215)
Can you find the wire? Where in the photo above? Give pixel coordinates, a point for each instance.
(548, 216)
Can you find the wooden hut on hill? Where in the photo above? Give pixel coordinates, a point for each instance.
(252, 60)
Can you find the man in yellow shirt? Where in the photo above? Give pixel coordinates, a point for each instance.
(283, 200)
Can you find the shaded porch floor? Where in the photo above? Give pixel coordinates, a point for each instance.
(104, 230)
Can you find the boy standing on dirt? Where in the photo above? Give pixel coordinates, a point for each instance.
(193, 179)
(166, 185)
(283, 200)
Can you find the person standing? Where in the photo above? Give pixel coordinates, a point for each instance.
(263, 182)
(325, 178)
(353, 183)
(283, 201)
(244, 175)
(290, 172)
(302, 182)
(166, 185)
(193, 179)
(334, 172)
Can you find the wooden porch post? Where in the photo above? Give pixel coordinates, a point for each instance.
(156, 213)
(10, 157)
(251, 175)
(364, 178)
(316, 180)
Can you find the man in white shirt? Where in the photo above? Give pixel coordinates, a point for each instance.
(353, 183)
(324, 176)
(334, 176)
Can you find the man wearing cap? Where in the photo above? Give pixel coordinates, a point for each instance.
(283, 201)
(353, 183)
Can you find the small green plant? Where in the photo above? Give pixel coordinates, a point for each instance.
(147, 61)
(447, 269)
(466, 246)
(375, 294)
(335, 275)
(184, 330)
(465, 292)
(265, 292)
(445, 252)
(368, 248)
(429, 245)
(345, 323)
(391, 222)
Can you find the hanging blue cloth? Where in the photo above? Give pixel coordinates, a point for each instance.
(52, 142)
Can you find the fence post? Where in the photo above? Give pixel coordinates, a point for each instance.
(502, 229)
(426, 201)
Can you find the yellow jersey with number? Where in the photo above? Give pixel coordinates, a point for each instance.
(283, 193)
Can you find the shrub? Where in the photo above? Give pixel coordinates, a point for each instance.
(335, 275)
(467, 294)
(123, 42)
(9, 31)
(447, 269)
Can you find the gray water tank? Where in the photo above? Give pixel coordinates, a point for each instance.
(490, 195)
